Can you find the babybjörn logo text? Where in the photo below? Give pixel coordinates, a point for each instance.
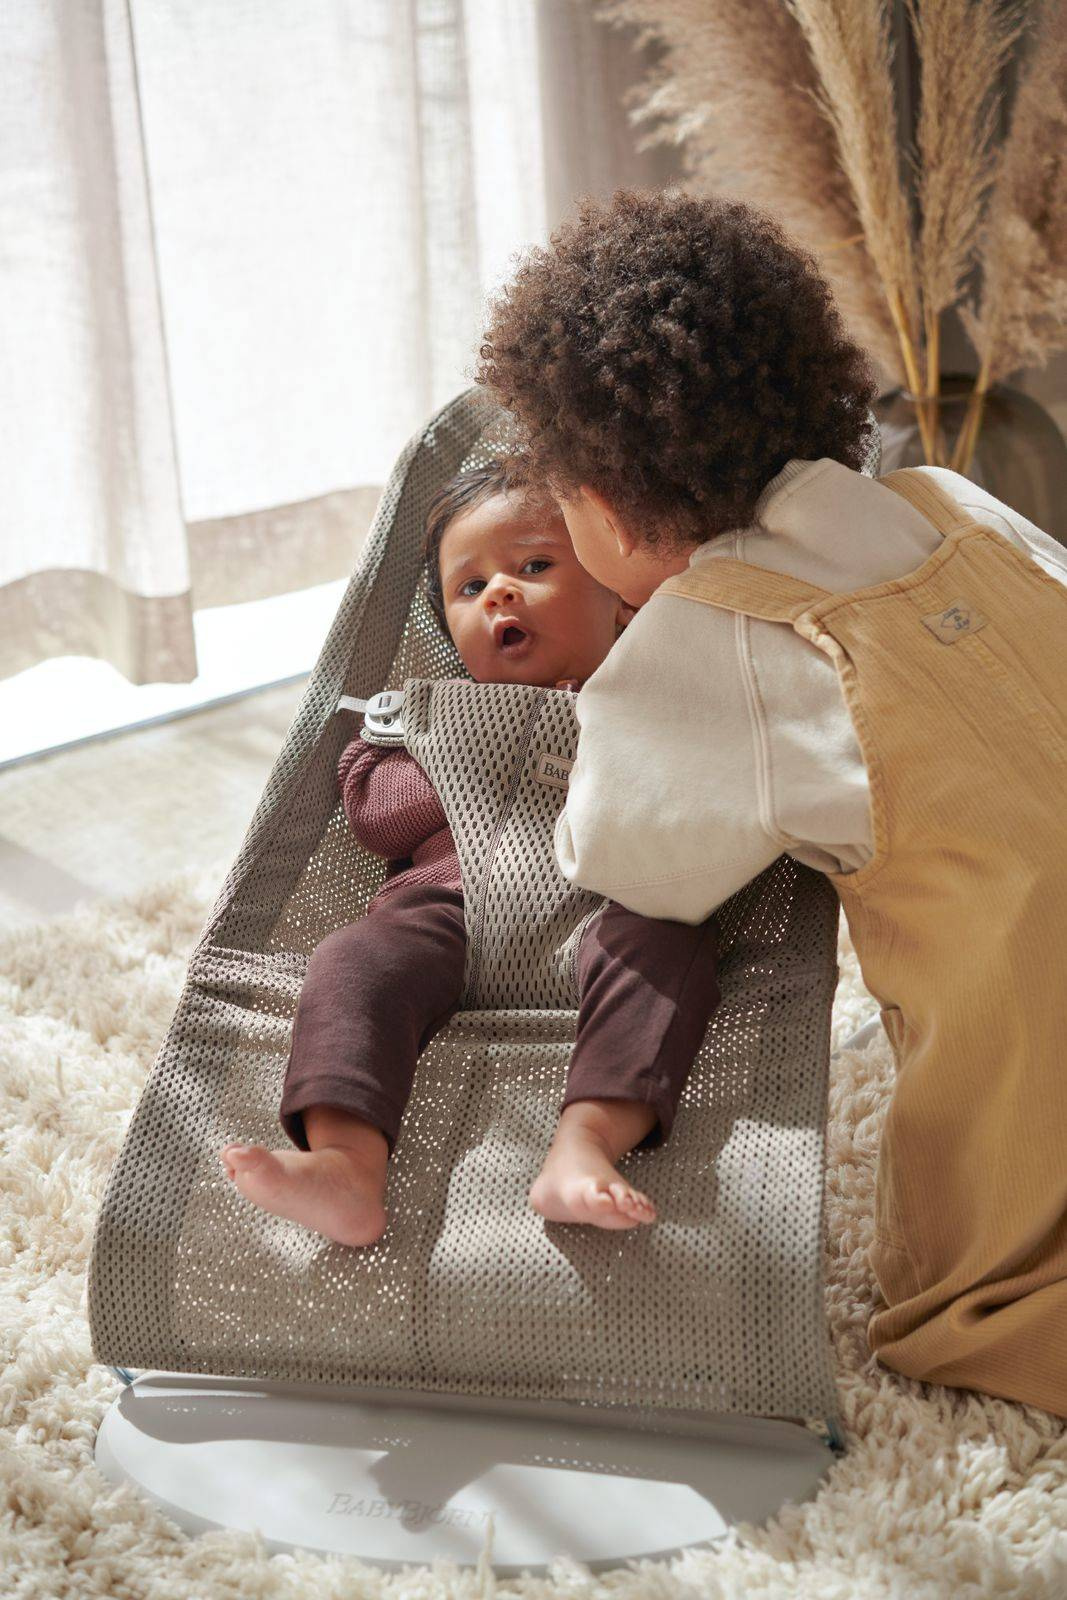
(554, 770)
(413, 1514)
(957, 620)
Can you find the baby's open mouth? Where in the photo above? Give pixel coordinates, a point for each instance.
(510, 639)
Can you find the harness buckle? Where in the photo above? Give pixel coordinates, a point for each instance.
(383, 717)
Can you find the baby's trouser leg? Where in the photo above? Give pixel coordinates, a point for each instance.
(647, 989)
(374, 995)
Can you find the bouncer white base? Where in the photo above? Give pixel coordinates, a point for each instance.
(403, 1479)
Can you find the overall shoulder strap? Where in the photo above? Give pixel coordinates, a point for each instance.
(927, 497)
(739, 586)
(775, 597)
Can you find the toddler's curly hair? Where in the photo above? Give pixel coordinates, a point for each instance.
(673, 352)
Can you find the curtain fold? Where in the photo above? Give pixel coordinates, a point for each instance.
(245, 251)
(94, 557)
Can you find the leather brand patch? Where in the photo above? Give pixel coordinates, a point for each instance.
(957, 620)
(553, 770)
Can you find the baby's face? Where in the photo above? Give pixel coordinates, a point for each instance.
(519, 605)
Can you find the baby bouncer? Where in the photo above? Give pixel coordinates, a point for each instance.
(480, 1384)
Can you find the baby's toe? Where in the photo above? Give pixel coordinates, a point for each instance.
(632, 1203)
(256, 1171)
(243, 1156)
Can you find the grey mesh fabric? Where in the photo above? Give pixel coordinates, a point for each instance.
(716, 1308)
(484, 747)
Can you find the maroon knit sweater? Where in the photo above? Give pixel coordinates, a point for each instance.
(394, 810)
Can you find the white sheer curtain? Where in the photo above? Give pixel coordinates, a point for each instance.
(94, 558)
(244, 252)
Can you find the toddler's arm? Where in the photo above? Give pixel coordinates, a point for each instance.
(391, 805)
(663, 809)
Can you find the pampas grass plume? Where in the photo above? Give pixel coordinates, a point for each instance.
(736, 87)
(1022, 246)
(790, 105)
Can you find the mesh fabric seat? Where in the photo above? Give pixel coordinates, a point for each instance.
(716, 1308)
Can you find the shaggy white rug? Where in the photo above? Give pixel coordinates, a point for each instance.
(941, 1493)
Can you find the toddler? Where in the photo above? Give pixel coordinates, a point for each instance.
(505, 582)
(870, 675)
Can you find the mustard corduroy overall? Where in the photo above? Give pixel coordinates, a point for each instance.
(955, 676)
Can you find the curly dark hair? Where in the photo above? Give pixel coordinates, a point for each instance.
(673, 352)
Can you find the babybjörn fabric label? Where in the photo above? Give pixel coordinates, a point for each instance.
(956, 621)
(553, 770)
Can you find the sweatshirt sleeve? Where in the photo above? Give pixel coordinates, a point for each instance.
(668, 810)
(390, 803)
(1049, 554)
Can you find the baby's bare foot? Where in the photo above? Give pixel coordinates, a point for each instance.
(579, 1184)
(330, 1190)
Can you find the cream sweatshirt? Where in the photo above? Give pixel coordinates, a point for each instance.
(711, 743)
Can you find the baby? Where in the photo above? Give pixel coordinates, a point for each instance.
(505, 583)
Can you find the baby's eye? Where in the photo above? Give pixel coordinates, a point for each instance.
(539, 562)
(469, 588)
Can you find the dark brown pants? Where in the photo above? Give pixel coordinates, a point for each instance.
(378, 990)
